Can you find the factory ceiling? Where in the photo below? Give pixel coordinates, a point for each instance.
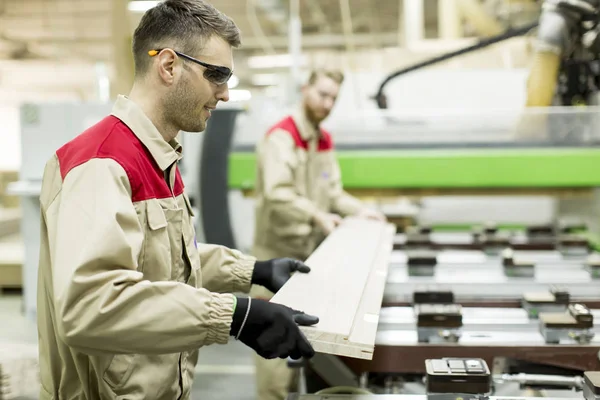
(91, 31)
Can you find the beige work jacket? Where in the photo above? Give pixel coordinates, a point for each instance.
(297, 175)
(126, 296)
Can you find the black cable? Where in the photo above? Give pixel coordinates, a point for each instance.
(380, 97)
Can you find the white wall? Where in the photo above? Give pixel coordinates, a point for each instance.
(10, 150)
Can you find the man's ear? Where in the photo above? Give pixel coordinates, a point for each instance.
(167, 66)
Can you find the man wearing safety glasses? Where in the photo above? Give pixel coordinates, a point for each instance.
(126, 296)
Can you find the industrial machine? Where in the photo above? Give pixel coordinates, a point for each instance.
(451, 378)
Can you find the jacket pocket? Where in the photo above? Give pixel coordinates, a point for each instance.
(119, 370)
(162, 242)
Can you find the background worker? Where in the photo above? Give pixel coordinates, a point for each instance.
(299, 198)
(126, 296)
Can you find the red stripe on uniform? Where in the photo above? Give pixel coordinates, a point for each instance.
(111, 138)
(288, 124)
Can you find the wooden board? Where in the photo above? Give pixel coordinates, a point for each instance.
(344, 288)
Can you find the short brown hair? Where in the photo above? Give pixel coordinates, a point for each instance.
(335, 75)
(180, 23)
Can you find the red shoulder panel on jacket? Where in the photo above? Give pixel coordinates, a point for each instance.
(288, 124)
(111, 138)
(326, 141)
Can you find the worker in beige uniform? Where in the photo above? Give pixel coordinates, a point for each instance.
(126, 296)
(299, 198)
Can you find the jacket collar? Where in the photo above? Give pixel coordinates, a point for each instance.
(307, 130)
(164, 153)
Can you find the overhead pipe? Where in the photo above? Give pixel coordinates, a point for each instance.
(380, 97)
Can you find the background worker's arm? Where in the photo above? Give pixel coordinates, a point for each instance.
(225, 270)
(103, 304)
(277, 157)
(342, 202)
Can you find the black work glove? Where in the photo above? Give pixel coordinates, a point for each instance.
(273, 274)
(271, 329)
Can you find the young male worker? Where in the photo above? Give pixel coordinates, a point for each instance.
(299, 198)
(126, 296)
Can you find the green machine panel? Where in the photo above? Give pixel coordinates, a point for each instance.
(473, 168)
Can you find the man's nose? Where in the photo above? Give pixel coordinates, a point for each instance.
(223, 93)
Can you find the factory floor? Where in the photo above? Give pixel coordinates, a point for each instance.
(223, 372)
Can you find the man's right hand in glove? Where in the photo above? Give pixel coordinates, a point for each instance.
(271, 329)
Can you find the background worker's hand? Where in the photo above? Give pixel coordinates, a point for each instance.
(274, 273)
(371, 214)
(327, 222)
(272, 329)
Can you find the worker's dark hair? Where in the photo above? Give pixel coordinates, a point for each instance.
(336, 75)
(184, 25)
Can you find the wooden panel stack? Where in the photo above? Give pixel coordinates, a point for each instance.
(344, 288)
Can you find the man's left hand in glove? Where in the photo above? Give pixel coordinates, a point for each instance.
(274, 273)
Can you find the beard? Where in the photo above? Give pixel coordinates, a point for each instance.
(183, 109)
(314, 116)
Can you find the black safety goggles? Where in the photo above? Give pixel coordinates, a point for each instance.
(213, 73)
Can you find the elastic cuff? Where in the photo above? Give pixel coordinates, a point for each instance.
(221, 317)
(242, 273)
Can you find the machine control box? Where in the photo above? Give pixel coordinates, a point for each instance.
(508, 260)
(541, 230)
(582, 315)
(577, 316)
(422, 258)
(432, 295)
(458, 375)
(554, 296)
(439, 315)
(570, 240)
(561, 295)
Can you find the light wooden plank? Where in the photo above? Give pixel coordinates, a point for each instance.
(365, 325)
(345, 287)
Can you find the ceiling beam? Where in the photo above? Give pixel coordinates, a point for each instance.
(317, 15)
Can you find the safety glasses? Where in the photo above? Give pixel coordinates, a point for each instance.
(213, 73)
